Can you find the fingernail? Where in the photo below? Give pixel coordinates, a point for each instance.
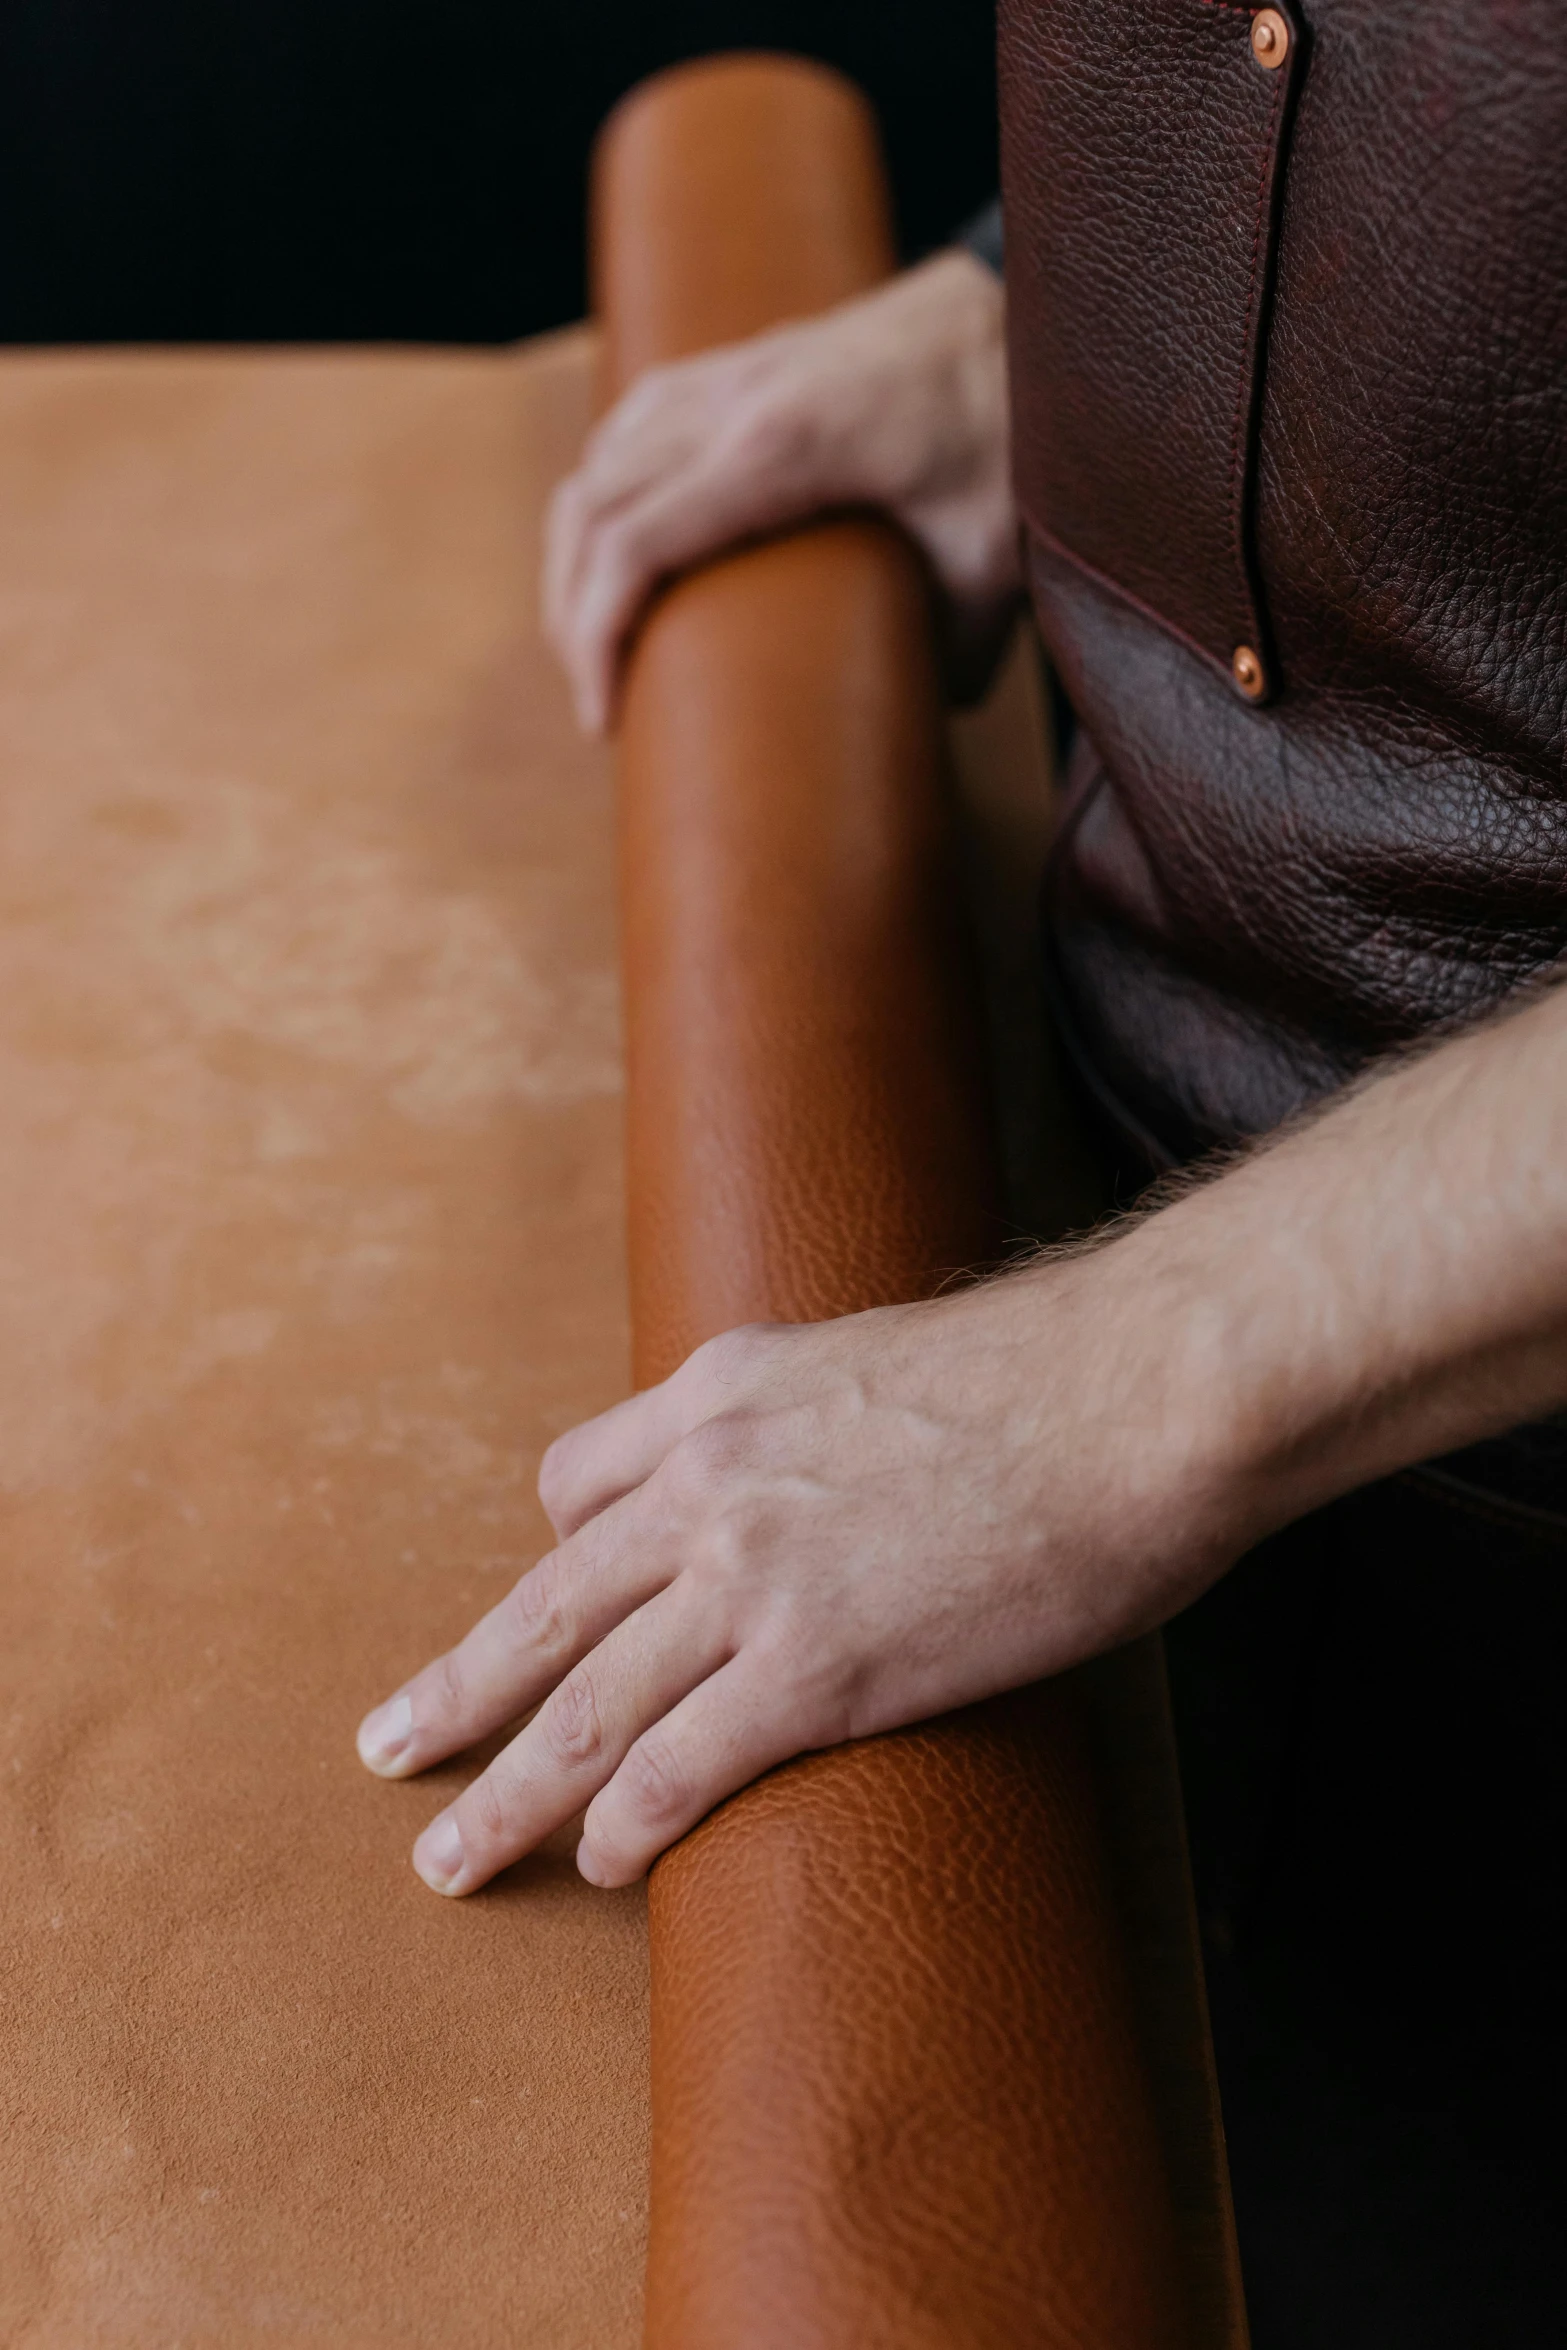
(438, 1854)
(384, 1735)
(588, 1867)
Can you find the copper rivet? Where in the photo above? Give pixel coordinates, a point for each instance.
(1270, 38)
(1248, 675)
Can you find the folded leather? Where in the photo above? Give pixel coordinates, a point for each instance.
(897, 2097)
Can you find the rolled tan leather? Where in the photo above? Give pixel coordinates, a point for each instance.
(897, 2094)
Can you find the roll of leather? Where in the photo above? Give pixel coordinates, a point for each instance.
(897, 2092)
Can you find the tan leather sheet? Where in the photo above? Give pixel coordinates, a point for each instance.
(310, 1238)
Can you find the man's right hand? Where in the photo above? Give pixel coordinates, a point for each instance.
(896, 400)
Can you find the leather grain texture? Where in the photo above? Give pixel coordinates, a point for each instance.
(310, 1225)
(897, 2098)
(1249, 904)
(806, 1117)
(775, 180)
(1136, 326)
(897, 2094)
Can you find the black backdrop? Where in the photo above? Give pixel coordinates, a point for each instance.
(403, 169)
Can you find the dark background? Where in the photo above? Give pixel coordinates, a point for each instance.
(262, 170)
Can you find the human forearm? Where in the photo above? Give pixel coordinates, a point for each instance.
(1386, 1282)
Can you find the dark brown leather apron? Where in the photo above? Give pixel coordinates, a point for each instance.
(1288, 307)
(1290, 372)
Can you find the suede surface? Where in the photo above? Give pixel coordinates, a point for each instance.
(310, 1239)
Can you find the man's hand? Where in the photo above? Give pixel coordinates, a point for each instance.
(807, 1534)
(812, 1533)
(897, 400)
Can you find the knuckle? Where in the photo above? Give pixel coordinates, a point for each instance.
(538, 1615)
(620, 572)
(735, 1355)
(642, 414)
(771, 435)
(444, 1699)
(570, 1727)
(716, 1444)
(485, 1808)
(716, 1359)
(702, 1461)
(722, 1555)
(642, 399)
(555, 1475)
(657, 1790)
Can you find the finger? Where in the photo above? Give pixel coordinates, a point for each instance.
(731, 1728)
(565, 527)
(665, 415)
(628, 551)
(605, 1458)
(619, 559)
(651, 434)
(574, 1743)
(514, 1655)
(574, 518)
(581, 505)
(597, 1464)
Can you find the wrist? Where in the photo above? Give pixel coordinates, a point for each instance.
(1270, 1393)
(1117, 1377)
(1185, 1348)
(1357, 1300)
(1235, 1418)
